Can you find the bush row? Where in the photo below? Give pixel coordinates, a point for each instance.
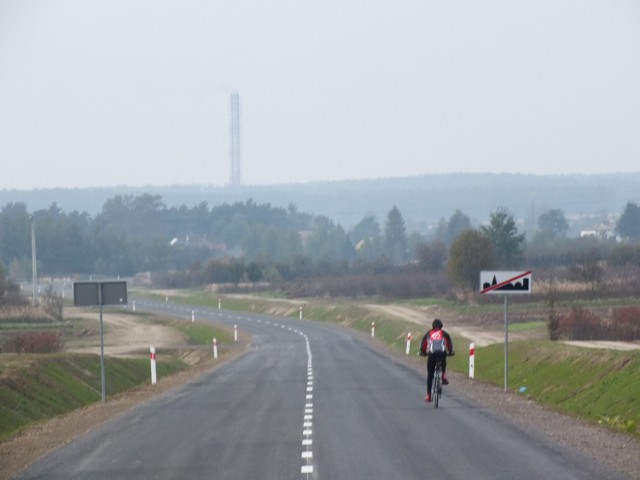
(34, 342)
(622, 324)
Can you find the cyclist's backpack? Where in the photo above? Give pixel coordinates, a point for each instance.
(436, 343)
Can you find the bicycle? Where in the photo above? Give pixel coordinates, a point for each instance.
(436, 386)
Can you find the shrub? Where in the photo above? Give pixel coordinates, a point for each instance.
(25, 314)
(625, 324)
(34, 342)
(580, 324)
(52, 304)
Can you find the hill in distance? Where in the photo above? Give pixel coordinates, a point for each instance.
(423, 200)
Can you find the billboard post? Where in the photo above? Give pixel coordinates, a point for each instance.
(88, 294)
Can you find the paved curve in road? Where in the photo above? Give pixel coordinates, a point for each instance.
(309, 401)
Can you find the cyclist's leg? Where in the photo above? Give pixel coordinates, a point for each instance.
(444, 369)
(431, 365)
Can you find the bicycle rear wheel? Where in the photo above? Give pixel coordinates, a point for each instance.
(437, 386)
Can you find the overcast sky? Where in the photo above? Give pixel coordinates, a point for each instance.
(136, 92)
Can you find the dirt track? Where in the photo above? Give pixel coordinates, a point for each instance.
(481, 335)
(125, 335)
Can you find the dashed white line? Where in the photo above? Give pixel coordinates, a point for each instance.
(307, 432)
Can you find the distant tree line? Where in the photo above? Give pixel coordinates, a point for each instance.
(138, 234)
(250, 243)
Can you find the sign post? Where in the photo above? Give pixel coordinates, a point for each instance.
(87, 294)
(505, 283)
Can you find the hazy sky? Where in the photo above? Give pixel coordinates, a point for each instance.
(136, 92)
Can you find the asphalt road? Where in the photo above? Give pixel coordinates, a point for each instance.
(309, 401)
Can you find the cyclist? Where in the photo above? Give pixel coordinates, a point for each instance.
(436, 344)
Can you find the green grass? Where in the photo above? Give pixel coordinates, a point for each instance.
(202, 333)
(599, 385)
(527, 326)
(37, 387)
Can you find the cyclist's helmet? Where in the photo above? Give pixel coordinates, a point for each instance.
(436, 323)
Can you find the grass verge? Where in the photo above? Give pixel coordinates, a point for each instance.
(37, 387)
(201, 333)
(599, 385)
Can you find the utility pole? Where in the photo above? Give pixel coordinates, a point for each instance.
(34, 263)
(235, 178)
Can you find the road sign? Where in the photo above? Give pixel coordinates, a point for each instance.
(505, 283)
(86, 294)
(99, 293)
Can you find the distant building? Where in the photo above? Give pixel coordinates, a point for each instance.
(603, 232)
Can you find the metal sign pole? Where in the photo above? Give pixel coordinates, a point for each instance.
(34, 265)
(506, 283)
(506, 341)
(102, 377)
(87, 294)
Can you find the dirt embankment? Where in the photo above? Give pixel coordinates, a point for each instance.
(125, 335)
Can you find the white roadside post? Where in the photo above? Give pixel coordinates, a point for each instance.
(408, 343)
(235, 333)
(166, 298)
(472, 359)
(193, 316)
(373, 329)
(133, 305)
(219, 303)
(152, 356)
(215, 348)
(300, 313)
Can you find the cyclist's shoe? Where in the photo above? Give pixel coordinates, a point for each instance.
(444, 380)
(427, 398)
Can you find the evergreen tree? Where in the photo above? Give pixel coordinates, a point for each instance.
(458, 223)
(395, 237)
(629, 223)
(553, 222)
(366, 230)
(507, 244)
